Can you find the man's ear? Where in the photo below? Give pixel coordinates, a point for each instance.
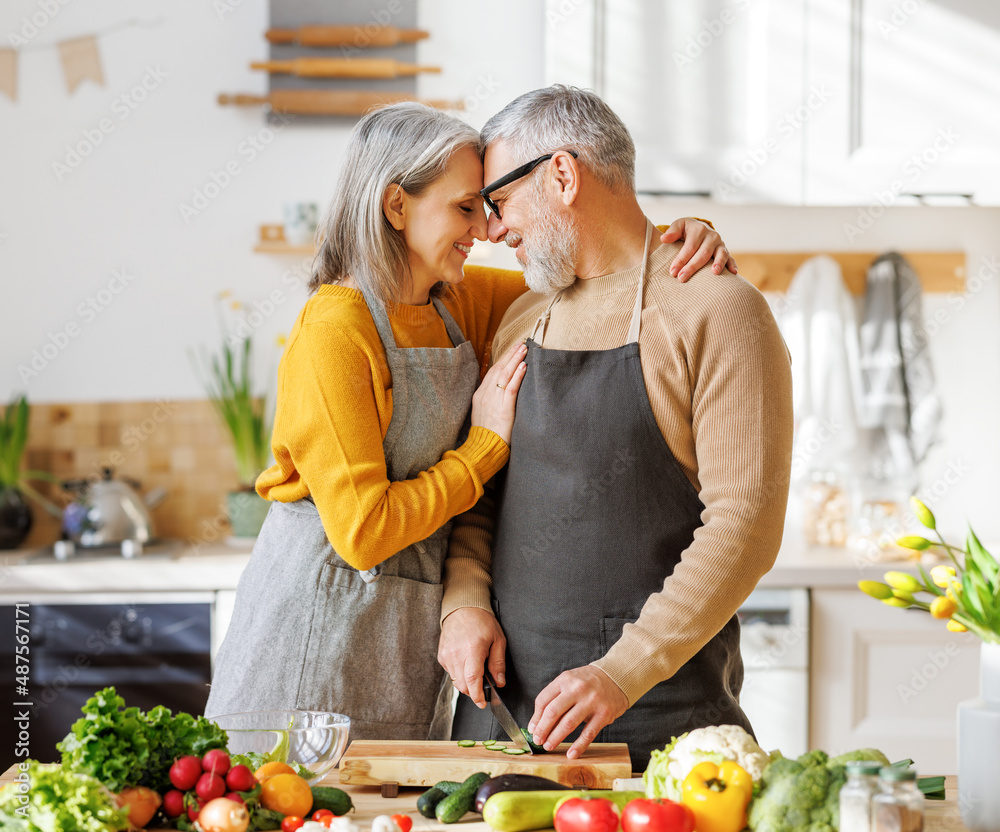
(565, 172)
(393, 206)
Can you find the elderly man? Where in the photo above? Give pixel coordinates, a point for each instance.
(648, 477)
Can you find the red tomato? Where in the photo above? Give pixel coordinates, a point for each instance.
(656, 816)
(319, 814)
(291, 823)
(404, 822)
(587, 814)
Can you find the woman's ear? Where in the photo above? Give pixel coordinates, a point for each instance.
(393, 206)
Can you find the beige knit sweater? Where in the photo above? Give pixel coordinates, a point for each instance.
(719, 382)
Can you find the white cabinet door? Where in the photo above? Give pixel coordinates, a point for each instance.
(887, 678)
(913, 89)
(712, 91)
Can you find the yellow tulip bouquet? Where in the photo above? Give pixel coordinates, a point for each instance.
(965, 593)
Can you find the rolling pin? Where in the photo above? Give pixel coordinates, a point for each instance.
(343, 67)
(329, 102)
(359, 36)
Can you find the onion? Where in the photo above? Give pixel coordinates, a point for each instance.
(223, 815)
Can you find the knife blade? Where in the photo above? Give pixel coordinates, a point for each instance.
(502, 714)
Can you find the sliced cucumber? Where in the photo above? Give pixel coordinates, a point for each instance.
(517, 752)
(488, 743)
(466, 743)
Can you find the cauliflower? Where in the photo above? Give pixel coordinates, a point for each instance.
(716, 743)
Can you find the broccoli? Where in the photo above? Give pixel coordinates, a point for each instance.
(803, 795)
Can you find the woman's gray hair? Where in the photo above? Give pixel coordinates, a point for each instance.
(566, 118)
(408, 144)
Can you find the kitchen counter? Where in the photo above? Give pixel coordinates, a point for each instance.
(171, 566)
(184, 567)
(940, 815)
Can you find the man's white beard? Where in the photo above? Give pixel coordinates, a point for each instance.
(550, 249)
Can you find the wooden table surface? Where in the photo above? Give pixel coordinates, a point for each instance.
(939, 816)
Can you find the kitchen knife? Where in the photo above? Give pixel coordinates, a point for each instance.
(502, 715)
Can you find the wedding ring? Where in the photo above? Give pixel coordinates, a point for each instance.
(501, 386)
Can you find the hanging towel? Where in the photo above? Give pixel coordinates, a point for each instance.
(818, 320)
(898, 401)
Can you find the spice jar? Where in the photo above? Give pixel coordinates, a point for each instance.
(856, 795)
(899, 805)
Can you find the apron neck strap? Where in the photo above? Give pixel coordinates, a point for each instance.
(633, 329)
(381, 318)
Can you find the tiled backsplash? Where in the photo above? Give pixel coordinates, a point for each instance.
(178, 445)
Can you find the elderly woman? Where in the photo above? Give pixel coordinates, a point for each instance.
(375, 447)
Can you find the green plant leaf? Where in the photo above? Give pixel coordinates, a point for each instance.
(985, 562)
(929, 585)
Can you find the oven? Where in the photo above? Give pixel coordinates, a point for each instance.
(154, 648)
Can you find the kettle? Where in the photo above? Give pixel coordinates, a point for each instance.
(109, 511)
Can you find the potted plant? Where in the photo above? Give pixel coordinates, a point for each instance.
(243, 411)
(15, 513)
(965, 595)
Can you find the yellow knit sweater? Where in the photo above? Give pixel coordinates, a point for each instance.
(334, 404)
(719, 382)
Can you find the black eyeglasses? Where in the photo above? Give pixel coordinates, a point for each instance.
(513, 176)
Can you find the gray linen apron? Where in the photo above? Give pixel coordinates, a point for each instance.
(593, 514)
(309, 630)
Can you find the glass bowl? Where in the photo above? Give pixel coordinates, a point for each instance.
(314, 740)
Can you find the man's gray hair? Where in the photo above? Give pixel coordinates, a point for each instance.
(408, 144)
(566, 118)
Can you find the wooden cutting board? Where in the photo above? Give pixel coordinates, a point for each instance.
(426, 762)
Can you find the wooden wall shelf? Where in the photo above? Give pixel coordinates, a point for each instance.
(939, 271)
(272, 241)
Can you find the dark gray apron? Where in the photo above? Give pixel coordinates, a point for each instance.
(309, 630)
(594, 513)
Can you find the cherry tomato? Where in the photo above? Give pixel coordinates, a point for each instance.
(656, 816)
(583, 814)
(319, 814)
(404, 822)
(291, 823)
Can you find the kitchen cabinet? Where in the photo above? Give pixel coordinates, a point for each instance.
(711, 90)
(802, 102)
(911, 92)
(887, 678)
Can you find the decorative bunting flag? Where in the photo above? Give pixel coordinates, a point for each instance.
(81, 61)
(8, 73)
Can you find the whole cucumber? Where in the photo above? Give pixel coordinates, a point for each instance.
(514, 783)
(428, 801)
(460, 801)
(327, 797)
(523, 811)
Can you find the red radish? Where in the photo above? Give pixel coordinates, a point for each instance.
(184, 773)
(240, 779)
(209, 787)
(234, 796)
(193, 810)
(173, 803)
(216, 761)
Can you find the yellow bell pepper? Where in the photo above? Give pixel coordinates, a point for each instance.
(718, 795)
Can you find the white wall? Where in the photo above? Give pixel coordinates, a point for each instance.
(61, 241)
